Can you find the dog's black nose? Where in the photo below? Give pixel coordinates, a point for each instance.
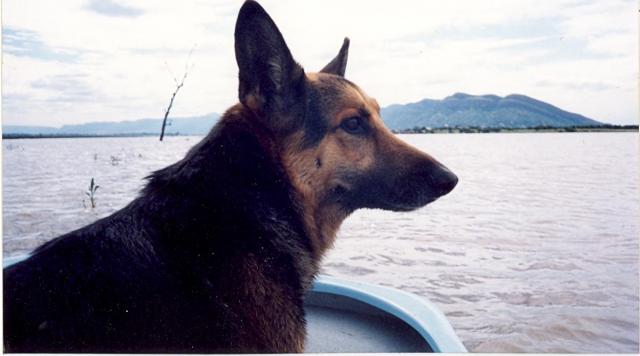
(443, 180)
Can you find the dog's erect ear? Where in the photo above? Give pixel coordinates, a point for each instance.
(339, 64)
(270, 80)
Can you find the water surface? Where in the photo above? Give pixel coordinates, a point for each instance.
(535, 250)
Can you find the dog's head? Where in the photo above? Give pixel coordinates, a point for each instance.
(335, 148)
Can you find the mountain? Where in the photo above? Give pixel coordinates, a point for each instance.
(492, 111)
(194, 125)
(28, 130)
(462, 110)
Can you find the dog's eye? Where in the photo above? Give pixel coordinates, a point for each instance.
(353, 125)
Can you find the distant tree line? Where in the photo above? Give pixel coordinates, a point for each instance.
(6, 136)
(477, 129)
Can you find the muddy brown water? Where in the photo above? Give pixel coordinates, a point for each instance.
(535, 250)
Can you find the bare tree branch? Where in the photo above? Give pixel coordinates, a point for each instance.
(175, 80)
(187, 68)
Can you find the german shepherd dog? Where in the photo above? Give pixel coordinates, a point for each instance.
(218, 250)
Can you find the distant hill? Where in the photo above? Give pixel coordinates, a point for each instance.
(491, 111)
(28, 130)
(461, 110)
(194, 125)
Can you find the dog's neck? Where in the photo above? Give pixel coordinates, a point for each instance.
(321, 217)
(322, 223)
(218, 164)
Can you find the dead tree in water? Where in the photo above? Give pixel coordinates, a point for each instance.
(175, 92)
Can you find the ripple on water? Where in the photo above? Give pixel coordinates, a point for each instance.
(534, 251)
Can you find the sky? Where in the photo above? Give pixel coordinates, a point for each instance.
(75, 61)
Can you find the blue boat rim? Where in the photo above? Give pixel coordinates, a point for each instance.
(422, 315)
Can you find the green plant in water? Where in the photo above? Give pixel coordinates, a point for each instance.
(91, 193)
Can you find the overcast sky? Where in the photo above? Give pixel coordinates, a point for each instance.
(74, 61)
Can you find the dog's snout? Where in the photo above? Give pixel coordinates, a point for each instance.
(443, 180)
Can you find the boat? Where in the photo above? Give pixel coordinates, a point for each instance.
(349, 316)
(346, 316)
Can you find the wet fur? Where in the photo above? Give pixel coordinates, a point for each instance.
(219, 249)
(212, 257)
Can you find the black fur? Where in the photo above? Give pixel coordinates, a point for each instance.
(338, 65)
(315, 120)
(214, 255)
(268, 73)
(154, 277)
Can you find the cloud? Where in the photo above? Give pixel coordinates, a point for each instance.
(71, 88)
(581, 86)
(578, 55)
(112, 8)
(25, 43)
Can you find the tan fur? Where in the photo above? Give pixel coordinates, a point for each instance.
(253, 103)
(264, 308)
(335, 151)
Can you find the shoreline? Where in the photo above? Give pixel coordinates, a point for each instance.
(543, 129)
(37, 136)
(452, 130)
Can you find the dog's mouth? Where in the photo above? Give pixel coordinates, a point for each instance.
(423, 187)
(411, 206)
(404, 203)
(406, 193)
